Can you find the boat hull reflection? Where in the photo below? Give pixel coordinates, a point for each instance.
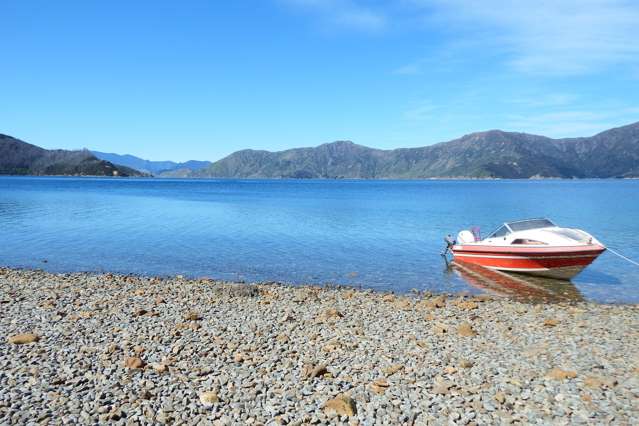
(518, 286)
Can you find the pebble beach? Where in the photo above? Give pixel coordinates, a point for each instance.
(88, 348)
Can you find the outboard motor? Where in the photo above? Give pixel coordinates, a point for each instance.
(450, 242)
(465, 237)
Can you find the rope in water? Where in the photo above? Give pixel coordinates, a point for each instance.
(622, 256)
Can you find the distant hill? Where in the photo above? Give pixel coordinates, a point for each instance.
(491, 154)
(20, 158)
(158, 168)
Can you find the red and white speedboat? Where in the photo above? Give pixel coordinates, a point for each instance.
(533, 246)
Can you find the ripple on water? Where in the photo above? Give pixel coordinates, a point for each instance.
(385, 235)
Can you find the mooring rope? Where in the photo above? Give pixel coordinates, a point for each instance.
(622, 256)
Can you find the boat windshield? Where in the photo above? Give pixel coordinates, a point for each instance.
(521, 225)
(501, 232)
(525, 225)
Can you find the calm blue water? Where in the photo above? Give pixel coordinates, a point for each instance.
(377, 234)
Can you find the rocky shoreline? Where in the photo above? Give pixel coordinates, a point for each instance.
(96, 348)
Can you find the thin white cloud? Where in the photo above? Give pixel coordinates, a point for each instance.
(423, 111)
(411, 69)
(573, 123)
(343, 14)
(360, 19)
(561, 37)
(549, 37)
(537, 100)
(555, 116)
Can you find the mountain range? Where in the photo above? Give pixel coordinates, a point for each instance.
(20, 158)
(490, 154)
(157, 168)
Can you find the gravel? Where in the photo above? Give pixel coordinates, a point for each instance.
(136, 350)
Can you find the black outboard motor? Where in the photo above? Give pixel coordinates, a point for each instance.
(450, 242)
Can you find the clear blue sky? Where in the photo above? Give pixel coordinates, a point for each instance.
(196, 79)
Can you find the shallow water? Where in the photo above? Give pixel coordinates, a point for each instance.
(378, 234)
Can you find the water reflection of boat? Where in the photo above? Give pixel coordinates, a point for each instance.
(517, 286)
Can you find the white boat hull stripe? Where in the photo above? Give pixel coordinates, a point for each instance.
(498, 268)
(525, 257)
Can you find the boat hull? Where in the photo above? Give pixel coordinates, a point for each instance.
(553, 262)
